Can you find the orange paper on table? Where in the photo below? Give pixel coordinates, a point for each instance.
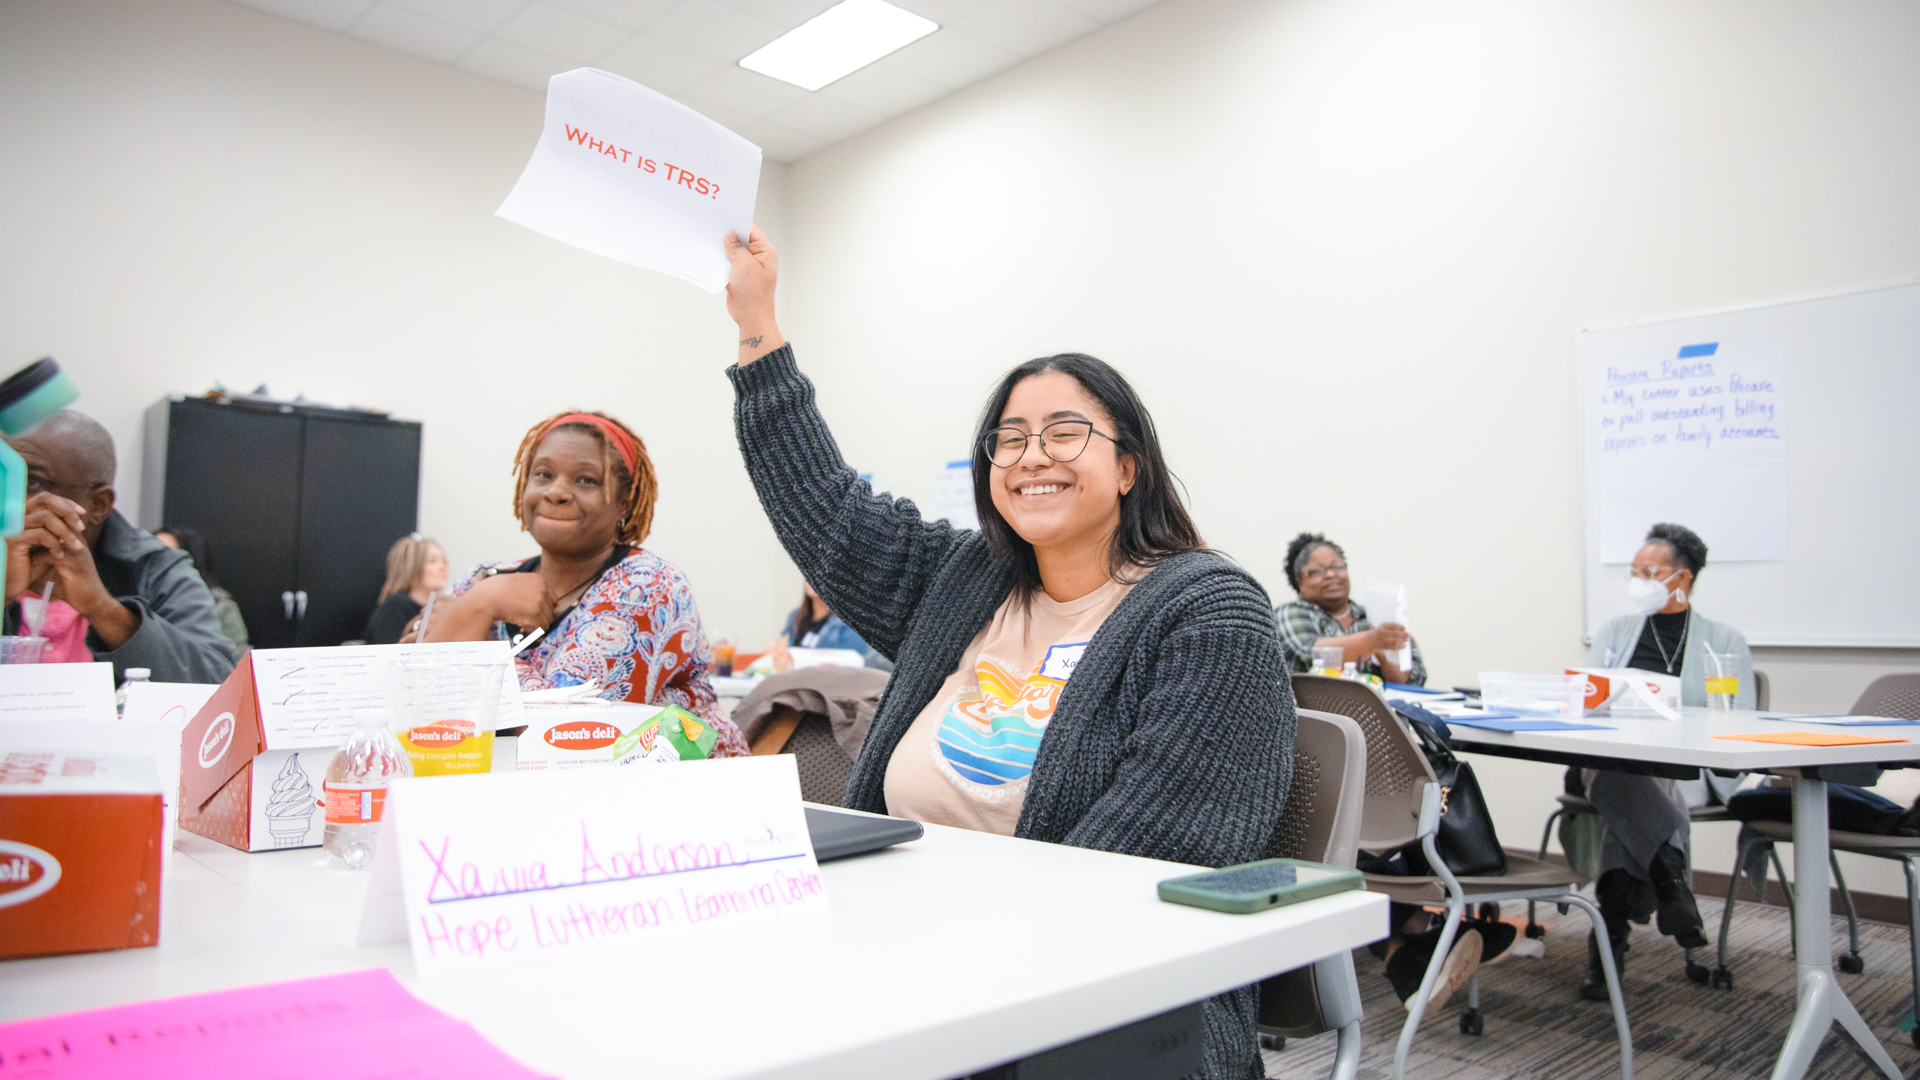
(1812, 738)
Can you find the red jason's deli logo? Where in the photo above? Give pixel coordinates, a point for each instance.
(25, 872)
(582, 735)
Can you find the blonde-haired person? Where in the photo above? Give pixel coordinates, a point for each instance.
(614, 613)
(416, 569)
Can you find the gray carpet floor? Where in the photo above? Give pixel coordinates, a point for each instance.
(1538, 1026)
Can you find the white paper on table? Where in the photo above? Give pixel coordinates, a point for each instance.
(953, 495)
(634, 175)
(308, 697)
(144, 739)
(508, 866)
(1387, 603)
(1698, 437)
(57, 692)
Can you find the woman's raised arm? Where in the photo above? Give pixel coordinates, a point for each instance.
(868, 556)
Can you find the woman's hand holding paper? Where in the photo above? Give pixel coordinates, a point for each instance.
(750, 281)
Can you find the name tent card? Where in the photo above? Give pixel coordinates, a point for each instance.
(478, 870)
(57, 692)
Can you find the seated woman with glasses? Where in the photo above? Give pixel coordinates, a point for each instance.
(613, 612)
(1644, 860)
(1176, 738)
(1325, 616)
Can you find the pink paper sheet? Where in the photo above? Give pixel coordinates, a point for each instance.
(356, 1026)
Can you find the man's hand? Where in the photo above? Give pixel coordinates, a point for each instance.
(52, 545)
(750, 281)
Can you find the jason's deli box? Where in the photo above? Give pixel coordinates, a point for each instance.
(80, 854)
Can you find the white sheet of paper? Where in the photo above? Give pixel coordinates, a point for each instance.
(1386, 602)
(510, 866)
(953, 495)
(308, 696)
(634, 175)
(57, 692)
(160, 742)
(1699, 439)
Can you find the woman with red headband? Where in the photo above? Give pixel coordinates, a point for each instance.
(614, 613)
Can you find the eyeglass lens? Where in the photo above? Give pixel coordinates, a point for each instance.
(1315, 573)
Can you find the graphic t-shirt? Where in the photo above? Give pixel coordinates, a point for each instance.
(966, 759)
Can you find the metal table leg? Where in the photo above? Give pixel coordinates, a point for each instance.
(1821, 1001)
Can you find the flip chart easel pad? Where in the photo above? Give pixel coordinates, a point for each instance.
(57, 692)
(308, 697)
(515, 866)
(628, 173)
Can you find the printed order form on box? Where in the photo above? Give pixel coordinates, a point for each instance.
(628, 173)
(480, 870)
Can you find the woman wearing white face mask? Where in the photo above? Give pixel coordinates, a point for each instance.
(1643, 865)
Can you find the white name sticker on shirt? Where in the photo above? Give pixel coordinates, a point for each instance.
(1061, 660)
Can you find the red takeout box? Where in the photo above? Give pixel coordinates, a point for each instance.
(80, 837)
(236, 789)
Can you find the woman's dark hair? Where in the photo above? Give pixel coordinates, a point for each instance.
(1688, 549)
(1301, 550)
(804, 622)
(195, 545)
(1154, 523)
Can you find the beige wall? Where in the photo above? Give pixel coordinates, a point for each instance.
(197, 191)
(1343, 247)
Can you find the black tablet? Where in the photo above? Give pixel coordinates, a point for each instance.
(842, 836)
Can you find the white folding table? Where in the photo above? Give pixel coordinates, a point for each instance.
(938, 958)
(1679, 749)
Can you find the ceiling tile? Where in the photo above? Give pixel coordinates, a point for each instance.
(481, 15)
(549, 29)
(332, 14)
(883, 90)
(824, 118)
(744, 91)
(514, 63)
(669, 69)
(950, 58)
(1109, 10)
(788, 13)
(779, 144)
(719, 33)
(628, 14)
(397, 28)
(943, 12)
(719, 114)
(1025, 27)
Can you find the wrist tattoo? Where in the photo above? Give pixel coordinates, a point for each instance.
(751, 342)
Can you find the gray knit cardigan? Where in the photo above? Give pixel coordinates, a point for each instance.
(1174, 739)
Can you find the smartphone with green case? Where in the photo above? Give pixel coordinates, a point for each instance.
(1257, 886)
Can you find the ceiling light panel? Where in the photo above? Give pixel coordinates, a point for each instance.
(840, 40)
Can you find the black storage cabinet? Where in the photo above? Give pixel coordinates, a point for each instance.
(299, 505)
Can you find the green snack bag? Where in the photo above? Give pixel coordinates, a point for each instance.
(672, 734)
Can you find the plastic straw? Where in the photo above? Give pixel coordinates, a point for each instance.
(538, 633)
(37, 617)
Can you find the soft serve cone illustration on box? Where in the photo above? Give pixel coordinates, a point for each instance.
(290, 810)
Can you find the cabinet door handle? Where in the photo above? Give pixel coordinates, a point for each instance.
(286, 601)
(300, 604)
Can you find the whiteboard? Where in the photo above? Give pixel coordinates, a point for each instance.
(1788, 436)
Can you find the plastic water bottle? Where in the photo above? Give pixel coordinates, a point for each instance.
(356, 788)
(134, 675)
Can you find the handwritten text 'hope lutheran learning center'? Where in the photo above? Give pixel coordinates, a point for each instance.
(709, 882)
(675, 174)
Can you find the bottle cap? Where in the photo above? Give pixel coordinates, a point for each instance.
(139, 674)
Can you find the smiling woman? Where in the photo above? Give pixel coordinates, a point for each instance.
(613, 612)
(1083, 670)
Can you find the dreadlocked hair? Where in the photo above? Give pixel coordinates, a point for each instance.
(637, 493)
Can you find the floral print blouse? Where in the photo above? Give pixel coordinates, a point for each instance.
(637, 631)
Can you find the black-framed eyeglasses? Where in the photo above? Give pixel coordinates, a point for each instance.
(1062, 440)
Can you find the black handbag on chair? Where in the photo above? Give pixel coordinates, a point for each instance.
(1466, 839)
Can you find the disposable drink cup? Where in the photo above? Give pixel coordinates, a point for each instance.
(444, 713)
(1329, 659)
(1723, 681)
(21, 650)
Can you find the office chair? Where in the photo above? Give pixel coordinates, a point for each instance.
(1321, 823)
(1402, 806)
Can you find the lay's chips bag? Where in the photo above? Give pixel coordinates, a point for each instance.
(672, 734)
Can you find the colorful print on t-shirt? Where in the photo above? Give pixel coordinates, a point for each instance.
(991, 730)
